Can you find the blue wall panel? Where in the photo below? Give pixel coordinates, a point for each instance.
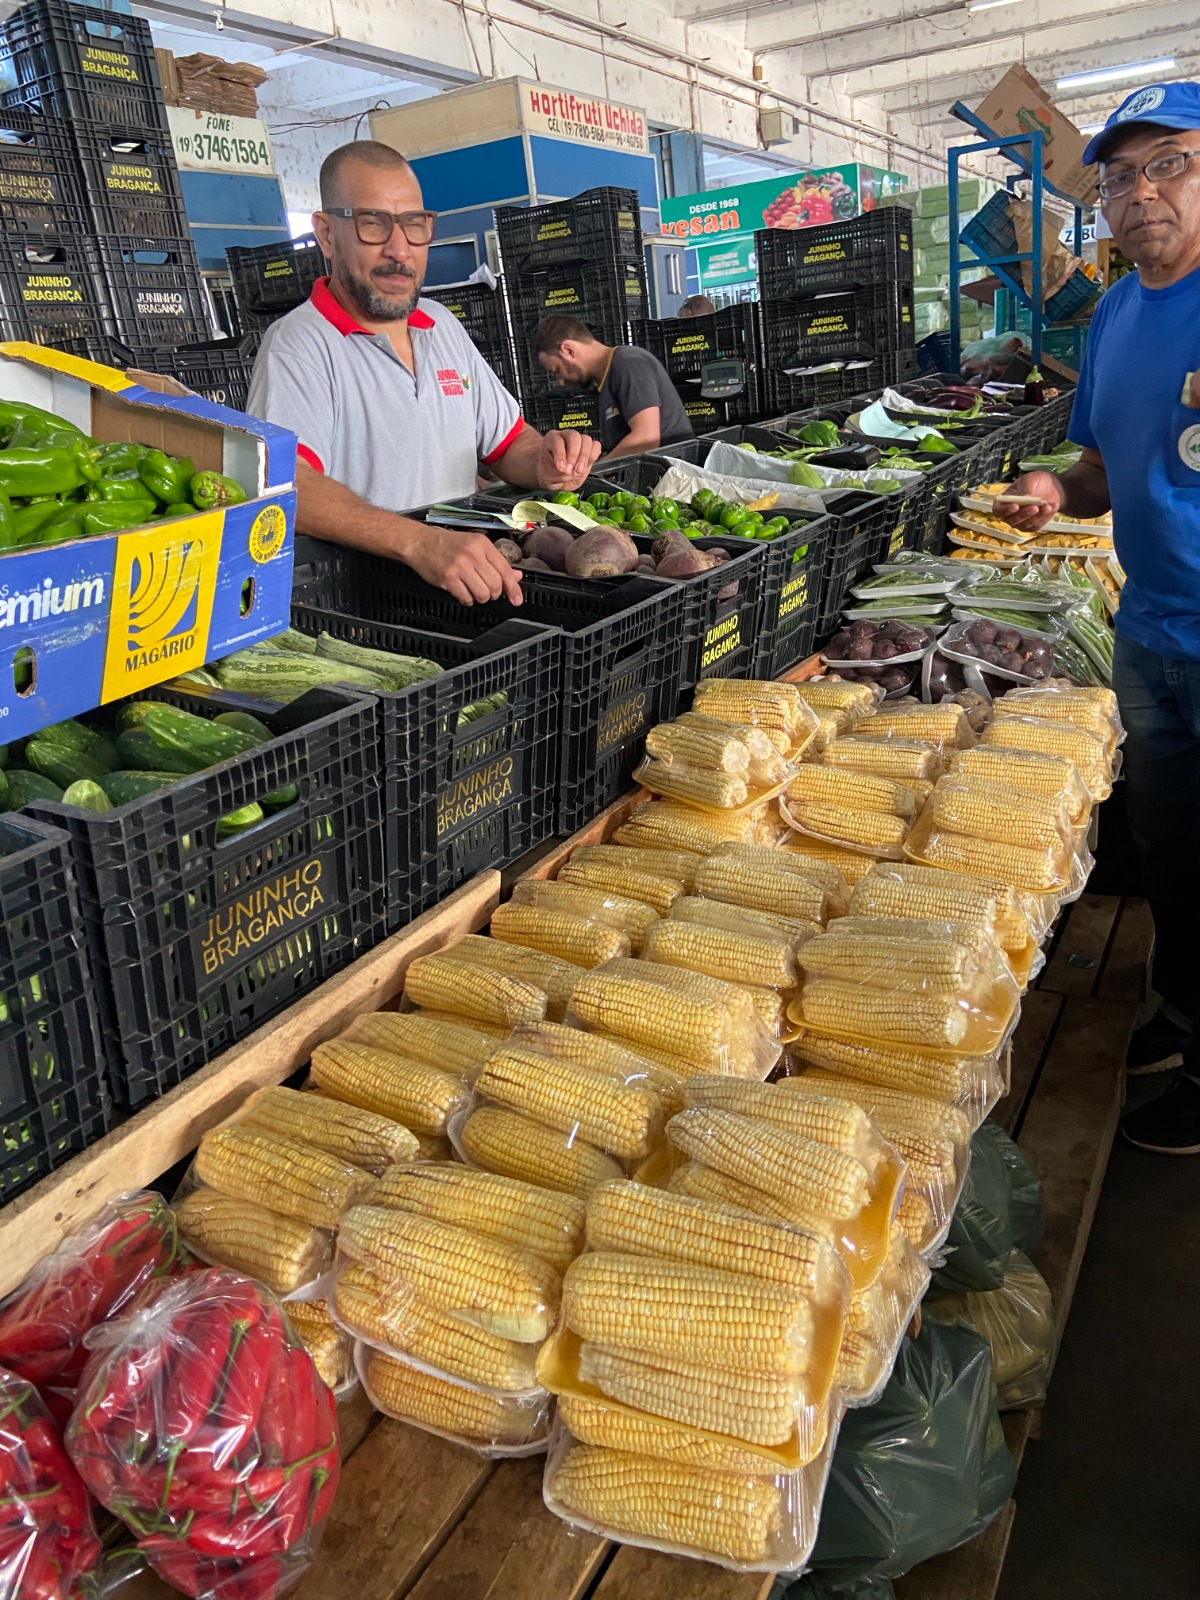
(227, 208)
(562, 169)
(482, 175)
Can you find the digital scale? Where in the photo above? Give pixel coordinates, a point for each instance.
(721, 380)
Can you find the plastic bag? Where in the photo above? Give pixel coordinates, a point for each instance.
(1031, 770)
(87, 1280)
(1017, 1321)
(753, 954)
(719, 746)
(779, 709)
(877, 1320)
(945, 724)
(898, 758)
(1042, 868)
(973, 1084)
(698, 786)
(238, 1461)
(923, 1469)
(1093, 709)
(981, 1232)
(48, 1540)
(888, 890)
(1025, 1214)
(1021, 732)
(784, 883)
(492, 1425)
(457, 1045)
(854, 700)
(665, 824)
(694, 910)
(853, 791)
(812, 1586)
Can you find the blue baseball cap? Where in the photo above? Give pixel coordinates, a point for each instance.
(1165, 105)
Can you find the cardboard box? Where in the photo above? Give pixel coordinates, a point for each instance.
(93, 620)
(1019, 104)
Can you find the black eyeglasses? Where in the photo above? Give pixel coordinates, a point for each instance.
(375, 227)
(1160, 170)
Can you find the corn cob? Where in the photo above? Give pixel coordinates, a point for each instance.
(774, 1160)
(699, 1182)
(996, 811)
(630, 917)
(936, 1021)
(680, 1312)
(860, 1364)
(878, 895)
(697, 911)
(451, 1043)
(834, 1119)
(449, 1408)
(580, 940)
(773, 707)
(296, 1179)
(324, 1340)
(799, 862)
(702, 742)
(604, 1055)
(495, 1286)
(732, 1516)
(505, 1142)
(915, 1216)
(624, 1119)
(974, 935)
(930, 1161)
(860, 791)
(550, 973)
(680, 1067)
(1013, 863)
(848, 1067)
(1012, 921)
(742, 1003)
(1031, 770)
(664, 825)
(278, 1250)
(931, 960)
(902, 760)
(659, 893)
(835, 694)
(759, 1407)
(638, 1009)
(697, 786)
(434, 1147)
(772, 1010)
(1059, 706)
(548, 1224)
(678, 864)
(391, 1314)
(1059, 739)
(896, 1113)
(363, 1137)
(766, 765)
(419, 1096)
(945, 723)
(739, 880)
(831, 726)
(870, 829)
(594, 1422)
(447, 983)
(638, 1221)
(851, 864)
(749, 957)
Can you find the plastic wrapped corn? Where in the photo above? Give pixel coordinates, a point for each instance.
(667, 825)
(696, 786)
(945, 724)
(584, 940)
(367, 1138)
(862, 791)
(420, 1096)
(605, 1056)
(898, 758)
(1048, 868)
(1053, 737)
(651, 889)
(730, 747)
(874, 833)
(856, 700)
(1022, 917)
(622, 913)
(491, 1425)
(829, 1118)
(1097, 714)
(1017, 1321)
(831, 726)
(887, 894)
(851, 864)
(332, 1351)
(453, 1044)
(773, 880)
(778, 709)
(280, 1251)
(988, 810)
(445, 982)
(294, 1179)
(972, 1084)
(876, 1321)
(678, 864)
(553, 975)
(1034, 771)
(695, 909)
(755, 956)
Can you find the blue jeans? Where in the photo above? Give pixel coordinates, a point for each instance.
(1160, 707)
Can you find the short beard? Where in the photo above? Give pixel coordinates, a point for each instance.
(381, 308)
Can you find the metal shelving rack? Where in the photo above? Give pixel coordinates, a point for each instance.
(1029, 166)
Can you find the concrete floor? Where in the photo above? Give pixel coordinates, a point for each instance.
(1106, 1499)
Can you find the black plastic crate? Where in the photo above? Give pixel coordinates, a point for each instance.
(620, 661)
(83, 62)
(196, 940)
(875, 248)
(603, 294)
(579, 411)
(459, 797)
(793, 591)
(858, 325)
(710, 416)
(49, 293)
(152, 290)
(219, 369)
(481, 310)
(131, 182)
(858, 538)
(39, 181)
(814, 391)
(275, 277)
(53, 1096)
(685, 344)
(597, 225)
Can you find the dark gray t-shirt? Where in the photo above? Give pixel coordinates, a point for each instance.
(635, 380)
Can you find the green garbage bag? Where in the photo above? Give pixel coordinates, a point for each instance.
(1025, 1191)
(922, 1470)
(812, 1586)
(980, 1237)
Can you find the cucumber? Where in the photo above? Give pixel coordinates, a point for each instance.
(122, 787)
(73, 735)
(139, 751)
(133, 713)
(3, 790)
(235, 821)
(283, 678)
(397, 670)
(88, 796)
(201, 676)
(245, 723)
(24, 787)
(197, 739)
(60, 765)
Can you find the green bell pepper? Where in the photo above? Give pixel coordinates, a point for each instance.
(121, 514)
(66, 524)
(29, 519)
(211, 490)
(166, 477)
(33, 424)
(116, 459)
(7, 530)
(181, 508)
(128, 486)
(47, 471)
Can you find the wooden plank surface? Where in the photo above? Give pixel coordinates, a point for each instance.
(1040, 1009)
(599, 831)
(647, 1575)
(972, 1572)
(509, 1547)
(144, 1147)
(1078, 957)
(1126, 967)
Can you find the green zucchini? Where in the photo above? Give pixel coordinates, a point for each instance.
(139, 751)
(60, 765)
(282, 678)
(245, 723)
(235, 821)
(197, 739)
(25, 787)
(397, 670)
(292, 640)
(122, 787)
(201, 676)
(88, 796)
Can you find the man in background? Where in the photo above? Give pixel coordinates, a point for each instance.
(697, 305)
(640, 407)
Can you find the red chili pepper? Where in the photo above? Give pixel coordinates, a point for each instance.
(47, 1539)
(252, 1358)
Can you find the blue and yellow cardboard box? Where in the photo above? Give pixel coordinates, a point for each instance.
(93, 620)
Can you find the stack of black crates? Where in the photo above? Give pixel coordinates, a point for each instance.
(583, 257)
(94, 242)
(686, 345)
(840, 298)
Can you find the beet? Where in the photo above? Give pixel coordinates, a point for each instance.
(510, 550)
(862, 629)
(601, 553)
(1007, 639)
(1011, 661)
(860, 648)
(535, 564)
(982, 632)
(551, 546)
(885, 649)
(895, 678)
(836, 649)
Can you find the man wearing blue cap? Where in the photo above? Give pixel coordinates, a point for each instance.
(1137, 416)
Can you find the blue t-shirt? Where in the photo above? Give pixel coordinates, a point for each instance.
(1142, 344)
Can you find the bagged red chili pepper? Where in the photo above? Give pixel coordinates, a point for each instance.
(47, 1537)
(203, 1424)
(85, 1281)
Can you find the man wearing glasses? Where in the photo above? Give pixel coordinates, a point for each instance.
(1137, 416)
(392, 404)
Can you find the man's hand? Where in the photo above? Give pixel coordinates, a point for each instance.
(466, 565)
(1050, 495)
(566, 459)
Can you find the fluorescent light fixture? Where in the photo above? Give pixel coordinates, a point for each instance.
(1131, 69)
(987, 5)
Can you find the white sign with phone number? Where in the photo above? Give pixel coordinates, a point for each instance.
(207, 141)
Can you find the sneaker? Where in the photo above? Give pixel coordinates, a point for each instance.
(1156, 1046)
(1170, 1124)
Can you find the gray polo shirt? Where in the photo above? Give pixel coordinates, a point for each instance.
(360, 415)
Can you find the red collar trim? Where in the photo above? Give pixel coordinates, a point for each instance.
(334, 313)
